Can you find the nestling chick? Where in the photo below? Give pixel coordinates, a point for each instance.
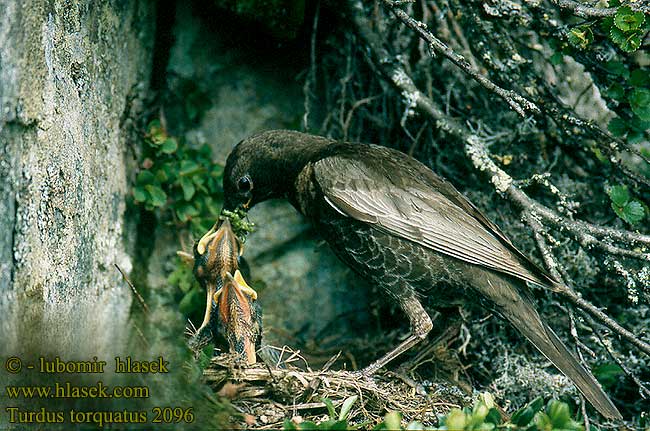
(216, 267)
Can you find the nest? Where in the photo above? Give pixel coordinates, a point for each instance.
(267, 395)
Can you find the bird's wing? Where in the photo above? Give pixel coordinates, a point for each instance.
(390, 198)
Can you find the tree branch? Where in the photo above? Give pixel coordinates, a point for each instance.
(585, 11)
(503, 183)
(517, 102)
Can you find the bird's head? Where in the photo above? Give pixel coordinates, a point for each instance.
(216, 254)
(265, 166)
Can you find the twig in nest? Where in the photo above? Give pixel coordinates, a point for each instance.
(272, 392)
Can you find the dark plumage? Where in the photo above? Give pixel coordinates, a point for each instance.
(402, 227)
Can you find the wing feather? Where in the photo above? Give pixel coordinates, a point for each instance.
(413, 211)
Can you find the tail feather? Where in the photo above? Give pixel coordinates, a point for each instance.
(528, 322)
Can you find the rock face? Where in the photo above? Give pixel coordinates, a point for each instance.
(70, 75)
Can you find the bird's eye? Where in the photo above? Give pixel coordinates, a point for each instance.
(244, 184)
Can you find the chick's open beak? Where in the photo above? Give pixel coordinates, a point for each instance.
(205, 239)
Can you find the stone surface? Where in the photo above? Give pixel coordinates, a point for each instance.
(69, 73)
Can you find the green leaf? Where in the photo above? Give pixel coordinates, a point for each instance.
(616, 68)
(633, 212)
(608, 373)
(628, 41)
(640, 103)
(617, 126)
(330, 407)
(580, 37)
(619, 195)
(347, 406)
(156, 133)
(161, 175)
(158, 195)
(144, 177)
(639, 78)
(334, 425)
(393, 421)
(288, 425)
(139, 194)
(558, 412)
(635, 137)
(188, 167)
(626, 19)
(181, 277)
(523, 416)
(169, 146)
(188, 188)
(616, 91)
(557, 58)
(493, 416)
(186, 212)
(191, 301)
(607, 23)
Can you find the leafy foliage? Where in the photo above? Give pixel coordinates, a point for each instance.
(182, 186)
(628, 85)
(628, 209)
(483, 416)
(334, 422)
(239, 222)
(180, 181)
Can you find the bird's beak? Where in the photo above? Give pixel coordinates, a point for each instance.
(247, 205)
(205, 239)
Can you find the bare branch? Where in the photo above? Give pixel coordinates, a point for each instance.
(517, 102)
(585, 11)
(477, 153)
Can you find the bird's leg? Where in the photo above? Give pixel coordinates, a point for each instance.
(420, 326)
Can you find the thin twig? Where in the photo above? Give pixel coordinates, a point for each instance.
(517, 102)
(585, 11)
(311, 77)
(135, 291)
(477, 153)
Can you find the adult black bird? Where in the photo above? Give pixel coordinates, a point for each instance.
(404, 228)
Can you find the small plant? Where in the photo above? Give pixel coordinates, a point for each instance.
(484, 416)
(626, 81)
(181, 183)
(625, 207)
(335, 422)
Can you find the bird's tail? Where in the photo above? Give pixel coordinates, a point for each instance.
(528, 322)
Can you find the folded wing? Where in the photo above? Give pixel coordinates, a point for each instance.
(438, 218)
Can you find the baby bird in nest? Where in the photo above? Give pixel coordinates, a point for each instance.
(231, 308)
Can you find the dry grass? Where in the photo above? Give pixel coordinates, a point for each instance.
(266, 395)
